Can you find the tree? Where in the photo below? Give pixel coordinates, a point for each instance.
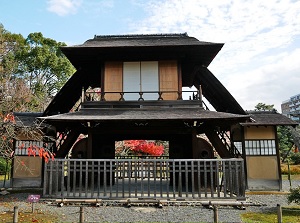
(285, 142)
(11, 129)
(35, 62)
(139, 147)
(14, 94)
(43, 64)
(31, 71)
(264, 107)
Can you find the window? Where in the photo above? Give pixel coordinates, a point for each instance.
(21, 146)
(265, 147)
(140, 77)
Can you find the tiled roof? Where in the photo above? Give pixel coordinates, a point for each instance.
(136, 40)
(268, 118)
(144, 114)
(26, 118)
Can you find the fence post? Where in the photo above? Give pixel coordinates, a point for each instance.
(16, 212)
(81, 215)
(216, 217)
(289, 174)
(279, 213)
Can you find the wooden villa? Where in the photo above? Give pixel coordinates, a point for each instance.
(130, 87)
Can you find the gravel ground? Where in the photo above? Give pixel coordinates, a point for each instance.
(176, 213)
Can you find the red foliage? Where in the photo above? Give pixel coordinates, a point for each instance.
(7, 140)
(145, 148)
(9, 118)
(42, 153)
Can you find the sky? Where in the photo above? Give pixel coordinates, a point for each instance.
(260, 61)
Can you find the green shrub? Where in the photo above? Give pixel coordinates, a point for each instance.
(2, 166)
(294, 196)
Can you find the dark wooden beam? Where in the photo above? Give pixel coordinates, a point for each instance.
(217, 143)
(67, 144)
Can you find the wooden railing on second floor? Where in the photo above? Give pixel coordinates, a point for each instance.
(98, 95)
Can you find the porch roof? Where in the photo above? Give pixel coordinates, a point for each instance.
(271, 118)
(134, 114)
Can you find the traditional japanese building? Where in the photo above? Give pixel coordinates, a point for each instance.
(139, 80)
(130, 87)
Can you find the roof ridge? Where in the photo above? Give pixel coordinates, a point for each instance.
(140, 35)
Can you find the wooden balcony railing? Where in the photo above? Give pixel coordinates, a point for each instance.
(91, 95)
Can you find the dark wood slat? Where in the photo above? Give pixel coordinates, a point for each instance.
(145, 178)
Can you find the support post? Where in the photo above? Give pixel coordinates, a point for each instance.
(16, 213)
(279, 213)
(200, 95)
(216, 217)
(81, 215)
(82, 95)
(289, 175)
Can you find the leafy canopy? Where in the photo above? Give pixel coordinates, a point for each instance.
(264, 107)
(36, 65)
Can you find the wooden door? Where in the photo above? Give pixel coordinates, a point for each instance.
(113, 80)
(168, 79)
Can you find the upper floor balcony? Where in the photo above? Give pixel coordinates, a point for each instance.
(95, 98)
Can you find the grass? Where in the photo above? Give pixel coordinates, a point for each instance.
(289, 214)
(2, 177)
(294, 169)
(28, 217)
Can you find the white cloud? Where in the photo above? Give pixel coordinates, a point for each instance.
(260, 59)
(270, 83)
(96, 7)
(63, 7)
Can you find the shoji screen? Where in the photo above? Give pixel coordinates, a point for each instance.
(140, 77)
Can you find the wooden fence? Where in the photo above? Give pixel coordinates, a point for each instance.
(188, 179)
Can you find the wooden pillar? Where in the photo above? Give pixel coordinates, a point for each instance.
(194, 143)
(89, 151)
(278, 157)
